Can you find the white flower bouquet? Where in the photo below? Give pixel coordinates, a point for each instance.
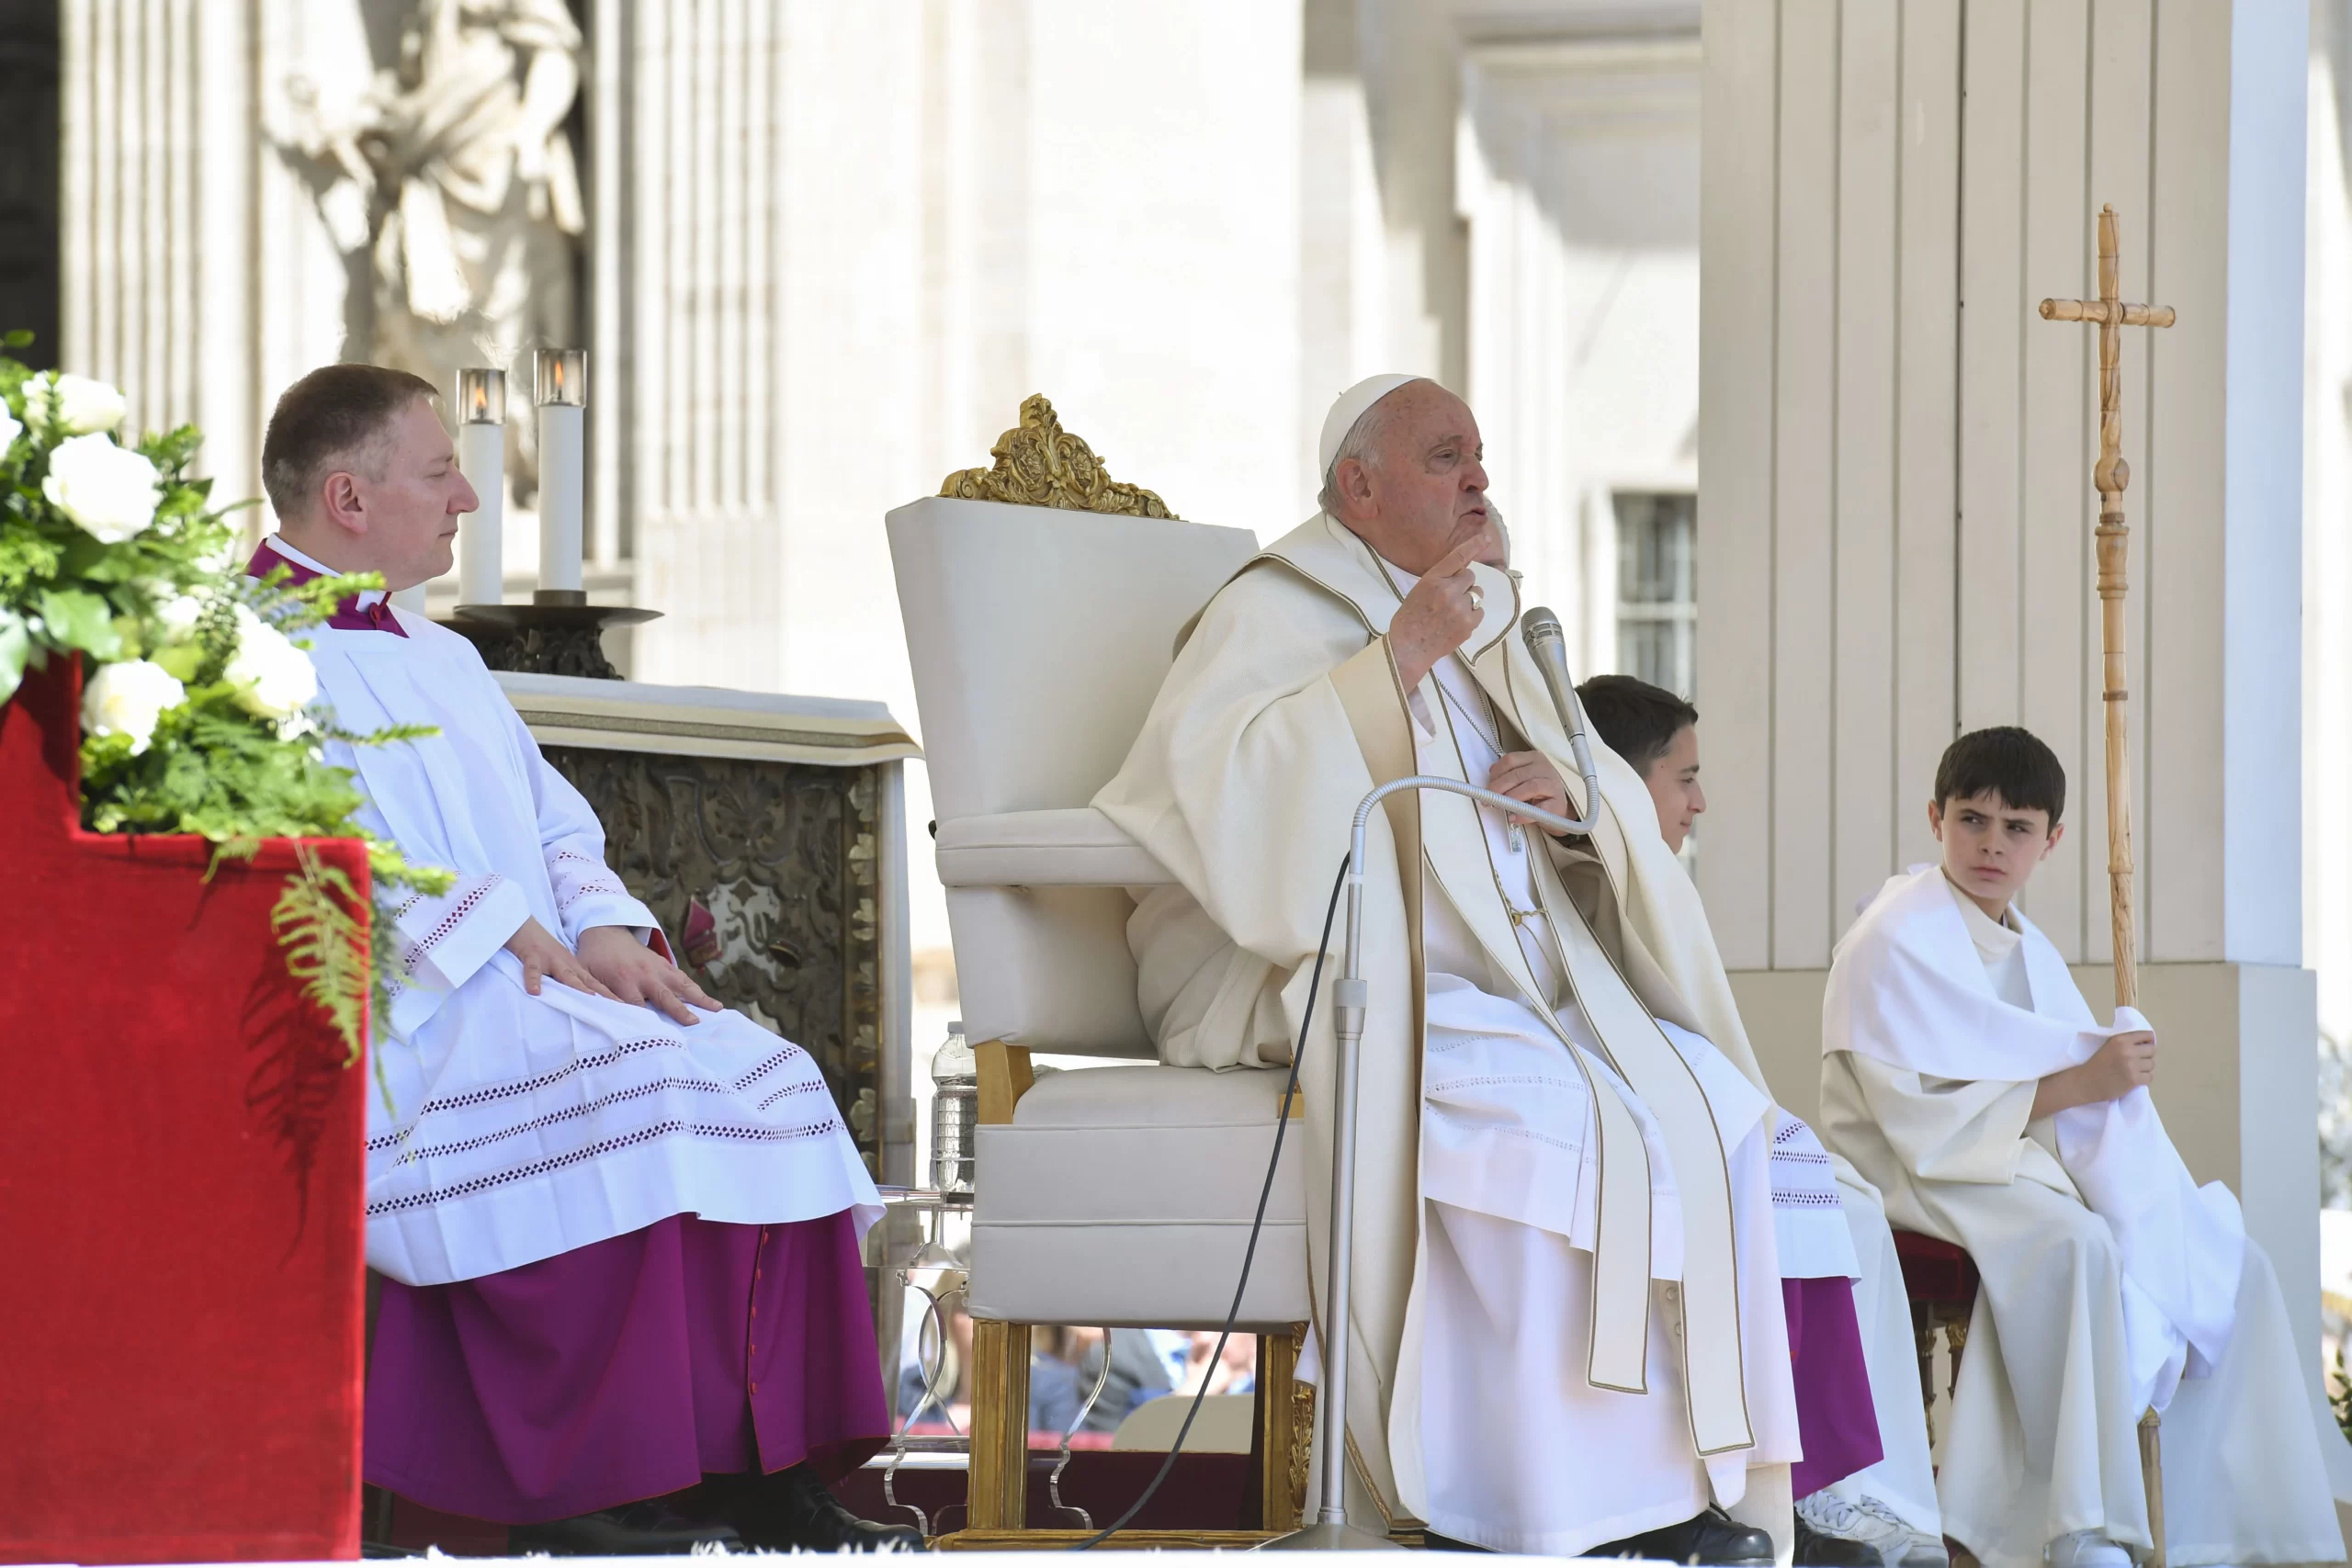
(198, 702)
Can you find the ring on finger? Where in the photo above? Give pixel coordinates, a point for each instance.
(1477, 597)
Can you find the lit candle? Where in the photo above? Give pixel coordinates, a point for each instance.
(560, 388)
(482, 457)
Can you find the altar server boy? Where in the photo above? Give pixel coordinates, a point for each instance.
(1964, 1075)
(1850, 1322)
(620, 1227)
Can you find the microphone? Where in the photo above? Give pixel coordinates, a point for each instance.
(1548, 645)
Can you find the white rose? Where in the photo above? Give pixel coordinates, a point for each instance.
(110, 491)
(175, 617)
(275, 680)
(83, 406)
(128, 698)
(9, 430)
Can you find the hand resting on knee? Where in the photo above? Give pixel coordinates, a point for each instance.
(611, 963)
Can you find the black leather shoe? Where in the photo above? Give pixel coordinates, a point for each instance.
(1715, 1537)
(640, 1529)
(795, 1509)
(1433, 1542)
(1816, 1549)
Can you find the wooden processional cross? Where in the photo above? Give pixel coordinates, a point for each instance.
(2110, 478)
(2114, 544)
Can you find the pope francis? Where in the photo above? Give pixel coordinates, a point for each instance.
(1567, 1333)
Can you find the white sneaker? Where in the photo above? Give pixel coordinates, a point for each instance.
(1872, 1523)
(2087, 1549)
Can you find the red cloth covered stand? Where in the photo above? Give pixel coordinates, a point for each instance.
(181, 1256)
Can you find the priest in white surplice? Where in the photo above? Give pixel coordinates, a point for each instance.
(1568, 1329)
(1964, 1075)
(620, 1226)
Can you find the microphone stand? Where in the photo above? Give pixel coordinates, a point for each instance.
(1350, 996)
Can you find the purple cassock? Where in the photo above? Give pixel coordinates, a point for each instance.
(1835, 1420)
(626, 1369)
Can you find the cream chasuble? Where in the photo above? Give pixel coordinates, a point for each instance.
(1936, 1030)
(1521, 1452)
(1281, 709)
(514, 1127)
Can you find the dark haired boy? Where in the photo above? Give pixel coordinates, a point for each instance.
(1658, 733)
(1849, 1320)
(1964, 1075)
(620, 1227)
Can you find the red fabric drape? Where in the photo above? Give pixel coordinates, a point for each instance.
(181, 1169)
(1935, 1272)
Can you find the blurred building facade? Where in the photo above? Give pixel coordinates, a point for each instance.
(819, 254)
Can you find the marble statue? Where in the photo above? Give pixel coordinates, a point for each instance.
(454, 178)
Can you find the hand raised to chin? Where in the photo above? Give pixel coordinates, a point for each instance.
(1440, 613)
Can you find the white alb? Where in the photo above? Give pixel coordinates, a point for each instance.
(518, 1126)
(2107, 1272)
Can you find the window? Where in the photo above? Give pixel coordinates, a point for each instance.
(1657, 588)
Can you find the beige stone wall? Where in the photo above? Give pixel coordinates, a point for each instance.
(1894, 529)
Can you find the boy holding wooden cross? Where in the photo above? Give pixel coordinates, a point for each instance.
(1964, 1075)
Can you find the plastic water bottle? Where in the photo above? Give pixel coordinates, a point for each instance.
(955, 1111)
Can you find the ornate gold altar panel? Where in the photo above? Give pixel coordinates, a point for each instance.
(765, 832)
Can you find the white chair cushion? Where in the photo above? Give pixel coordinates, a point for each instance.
(1123, 1197)
(1226, 1425)
(1048, 968)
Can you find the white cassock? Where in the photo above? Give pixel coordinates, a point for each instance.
(1507, 1129)
(1524, 1222)
(1477, 1079)
(519, 1127)
(2112, 1281)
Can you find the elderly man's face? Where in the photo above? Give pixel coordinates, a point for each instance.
(1425, 490)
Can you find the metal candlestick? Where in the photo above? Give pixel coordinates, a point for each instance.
(547, 638)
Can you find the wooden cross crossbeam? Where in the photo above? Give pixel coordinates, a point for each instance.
(2110, 477)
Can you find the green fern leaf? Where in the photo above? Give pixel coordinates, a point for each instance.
(327, 950)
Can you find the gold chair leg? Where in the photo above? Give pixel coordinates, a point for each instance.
(1923, 1335)
(1281, 1441)
(2152, 1475)
(1000, 1472)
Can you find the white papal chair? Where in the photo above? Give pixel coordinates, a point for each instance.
(1116, 1196)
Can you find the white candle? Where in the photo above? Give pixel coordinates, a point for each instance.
(562, 376)
(482, 457)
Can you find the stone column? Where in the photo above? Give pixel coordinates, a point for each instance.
(1383, 277)
(686, 140)
(1579, 185)
(155, 232)
(1894, 533)
(200, 273)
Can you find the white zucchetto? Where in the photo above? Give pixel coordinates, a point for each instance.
(1353, 404)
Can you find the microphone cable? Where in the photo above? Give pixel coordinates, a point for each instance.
(1256, 1224)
